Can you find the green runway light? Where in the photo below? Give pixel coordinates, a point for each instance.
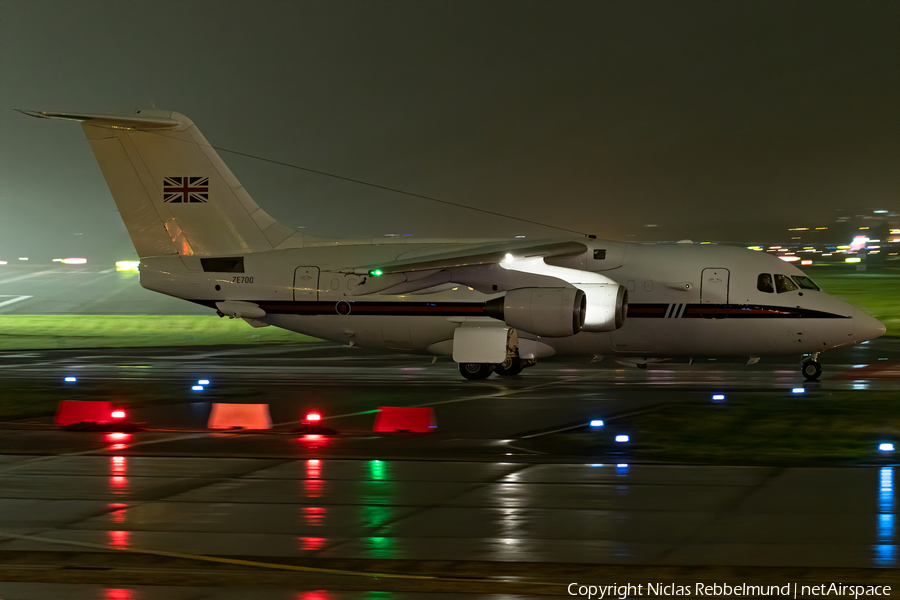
(376, 273)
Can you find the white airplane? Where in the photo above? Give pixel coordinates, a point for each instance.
(494, 306)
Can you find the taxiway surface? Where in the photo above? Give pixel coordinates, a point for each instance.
(469, 510)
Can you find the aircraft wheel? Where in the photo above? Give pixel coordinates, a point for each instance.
(475, 370)
(811, 370)
(509, 367)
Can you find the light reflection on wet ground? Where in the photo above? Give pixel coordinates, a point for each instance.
(446, 496)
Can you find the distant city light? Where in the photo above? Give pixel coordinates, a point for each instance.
(886, 447)
(879, 212)
(597, 423)
(3, 262)
(74, 261)
(798, 391)
(852, 259)
(622, 438)
(789, 258)
(23, 258)
(718, 397)
(56, 260)
(70, 379)
(805, 262)
(203, 382)
(197, 388)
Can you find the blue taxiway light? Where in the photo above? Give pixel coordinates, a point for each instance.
(718, 396)
(197, 388)
(70, 379)
(886, 447)
(203, 382)
(597, 423)
(798, 391)
(622, 438)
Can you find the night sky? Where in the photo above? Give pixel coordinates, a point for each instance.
(717, 120)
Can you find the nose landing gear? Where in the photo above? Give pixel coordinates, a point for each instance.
(811, 369)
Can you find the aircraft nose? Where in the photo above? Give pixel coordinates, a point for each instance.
(866, 327)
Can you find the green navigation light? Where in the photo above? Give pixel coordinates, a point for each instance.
(376, 273)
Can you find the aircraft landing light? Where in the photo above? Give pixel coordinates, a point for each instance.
(203, 382)
(798, 391)
(718, 397)
(197, 388)
(127, 265)
(70, 379)
(886, 447)
(622, 439)
(597, 423)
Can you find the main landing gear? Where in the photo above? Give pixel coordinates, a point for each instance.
(811, 369)
(508, 368)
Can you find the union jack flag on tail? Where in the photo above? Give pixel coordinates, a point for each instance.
(185, 189)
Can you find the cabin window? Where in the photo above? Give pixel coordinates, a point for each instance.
(600, 254)
(805, 282)
(783, 284)
(764, 283)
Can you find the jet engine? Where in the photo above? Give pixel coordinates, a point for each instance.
(560, 312)
(606, 306)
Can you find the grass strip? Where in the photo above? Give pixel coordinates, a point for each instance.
(875, 293)
(41, 332)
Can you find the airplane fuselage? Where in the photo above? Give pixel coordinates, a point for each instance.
(685, 300)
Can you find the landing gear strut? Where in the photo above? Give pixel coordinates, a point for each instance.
(811, 369)
(476, 370)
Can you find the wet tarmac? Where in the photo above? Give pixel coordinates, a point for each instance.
(466, 511)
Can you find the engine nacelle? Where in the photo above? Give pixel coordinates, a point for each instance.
(606, 306)
(548, 312)
(561, 312)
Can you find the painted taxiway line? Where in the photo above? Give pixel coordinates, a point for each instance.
(14, 300)
(267, 565)
(21, 277)
(496, 394)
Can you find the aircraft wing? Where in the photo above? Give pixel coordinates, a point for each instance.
(487, 268)
(493, 254)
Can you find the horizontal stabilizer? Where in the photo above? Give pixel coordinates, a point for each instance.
(114, 121)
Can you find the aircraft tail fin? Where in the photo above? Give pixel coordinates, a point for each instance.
(174, 192)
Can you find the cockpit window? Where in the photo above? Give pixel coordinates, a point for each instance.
(805, 282)
(764, 283)
(783, 284)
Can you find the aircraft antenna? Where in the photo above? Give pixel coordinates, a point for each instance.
(396, 190)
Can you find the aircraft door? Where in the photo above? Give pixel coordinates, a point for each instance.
(306, 283)
(714, 286)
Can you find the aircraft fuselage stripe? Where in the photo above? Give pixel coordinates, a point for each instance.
(473, 309)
